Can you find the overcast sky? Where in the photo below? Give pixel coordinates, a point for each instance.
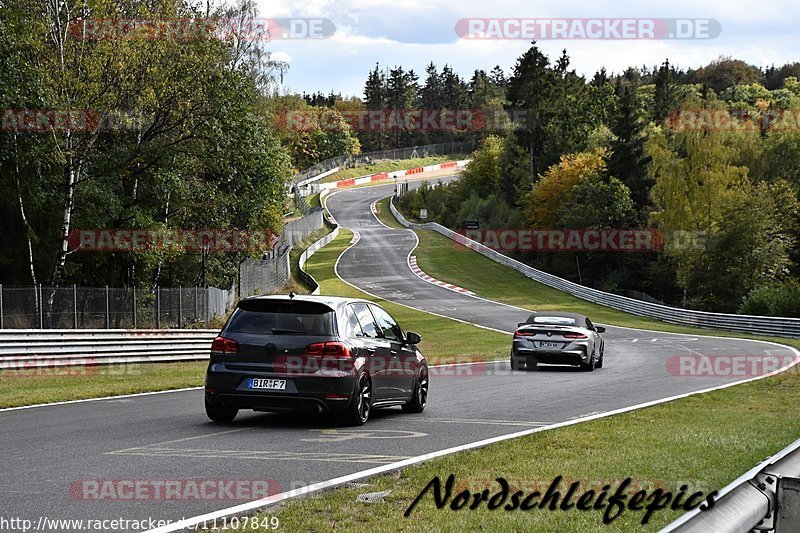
(412, 33)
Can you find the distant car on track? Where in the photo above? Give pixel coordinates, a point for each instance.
(557, 338)
(316, 353)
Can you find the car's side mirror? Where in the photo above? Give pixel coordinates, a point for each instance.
(413, 338)
(600, 329)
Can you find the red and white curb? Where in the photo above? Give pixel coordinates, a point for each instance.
(383, 176)
(412, 262)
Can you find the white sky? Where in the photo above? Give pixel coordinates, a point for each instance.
(414, 32)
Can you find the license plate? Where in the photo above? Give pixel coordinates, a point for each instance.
(544, 344)
(267, 384)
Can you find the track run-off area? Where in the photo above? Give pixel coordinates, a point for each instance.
(55, 456)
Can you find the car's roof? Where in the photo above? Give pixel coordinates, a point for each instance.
(331, 301)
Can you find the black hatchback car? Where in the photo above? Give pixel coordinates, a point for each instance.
(316, 353)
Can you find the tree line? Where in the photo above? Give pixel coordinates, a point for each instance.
(708, 157)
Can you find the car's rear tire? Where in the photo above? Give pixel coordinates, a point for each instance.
(358, 411)
(532, 363)
(420, 400)
(219, 412)
(602, 357)
(590, 366)
(517, 363)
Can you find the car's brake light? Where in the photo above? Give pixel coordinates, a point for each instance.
(574, 336)
(329, 350)
(315, 349)
(522, 333)
(221, 346)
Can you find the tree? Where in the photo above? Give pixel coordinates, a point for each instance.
(544, 201)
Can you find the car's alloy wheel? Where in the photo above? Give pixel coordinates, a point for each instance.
(358, 411)
(420, 399)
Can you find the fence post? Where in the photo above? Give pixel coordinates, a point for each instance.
(1, 306)
(208, 305)
(74, 306)
(180, 307)
(40, 301)
(135, 323)
(158, 307)
(108, 311)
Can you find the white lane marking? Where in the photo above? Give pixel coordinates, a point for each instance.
(357, 476)
(104, 398)
(269, 455)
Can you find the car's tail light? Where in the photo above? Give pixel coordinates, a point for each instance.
(222, 346)
(523, 333)
(574, 336)
(329, 350)
(315, 349)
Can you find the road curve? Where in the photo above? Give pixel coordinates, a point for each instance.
(52, 454)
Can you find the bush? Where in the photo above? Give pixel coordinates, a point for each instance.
(774, 300)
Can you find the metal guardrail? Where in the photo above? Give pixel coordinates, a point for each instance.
(311, 250)
(22, 349)
(764, 325)
(767, 498)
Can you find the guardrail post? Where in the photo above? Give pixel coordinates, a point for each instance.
(108, 310)
(158, 307)
(74, 306)
(135, 322)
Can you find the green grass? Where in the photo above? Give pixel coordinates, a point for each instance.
(313, 200)
(389, 166)
(385, 215)
(699, 440)
(297, 286)
(29, 386)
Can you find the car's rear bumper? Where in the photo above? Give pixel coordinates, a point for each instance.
(572, 357)
(303, 392)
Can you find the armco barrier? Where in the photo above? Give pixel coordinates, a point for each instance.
(311, 250)
(23, 349)
(780, 326)
(767, 498)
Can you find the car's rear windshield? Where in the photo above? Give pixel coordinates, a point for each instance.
(282, 318)
(554, 320)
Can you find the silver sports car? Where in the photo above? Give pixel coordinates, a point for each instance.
(557, 338)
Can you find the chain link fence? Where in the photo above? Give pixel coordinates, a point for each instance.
(72, 307)
(411, 152)
(267, 275)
